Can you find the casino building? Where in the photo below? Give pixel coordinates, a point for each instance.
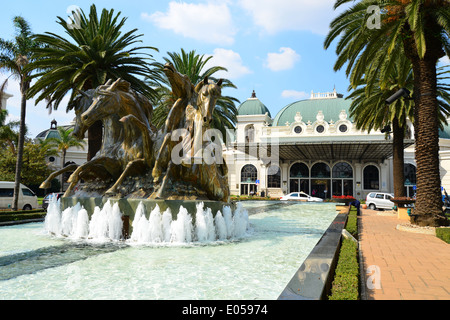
(313, 146)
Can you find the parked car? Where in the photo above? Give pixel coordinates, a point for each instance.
(27, 198)
(300, 196)
(379, 200)
(47, 198)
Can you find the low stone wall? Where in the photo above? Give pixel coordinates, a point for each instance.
(312, 281)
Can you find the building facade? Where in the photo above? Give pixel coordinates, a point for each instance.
(313, 146)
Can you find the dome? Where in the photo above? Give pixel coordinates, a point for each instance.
(253, 106)
(308, 109)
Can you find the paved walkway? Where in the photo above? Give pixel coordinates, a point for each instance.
(401, 265)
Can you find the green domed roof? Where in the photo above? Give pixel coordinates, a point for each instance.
(253, 106)
(308, 109)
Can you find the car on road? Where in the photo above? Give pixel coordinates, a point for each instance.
(47, 198)
(300, 196)
(379, 200)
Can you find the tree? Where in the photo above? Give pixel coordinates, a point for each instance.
(14, 57)
(96, 50)
(194, 66)
(34, 166)
(420, 29)
(63, 143)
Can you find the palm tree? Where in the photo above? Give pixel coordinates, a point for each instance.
(14, 57)
(63, 143)
(95, 50)
(192, 65)
(420, 29)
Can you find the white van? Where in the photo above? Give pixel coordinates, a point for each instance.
(27, 198)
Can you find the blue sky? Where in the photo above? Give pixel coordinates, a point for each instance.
(272, 47)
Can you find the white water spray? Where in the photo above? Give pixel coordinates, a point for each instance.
(106, 224)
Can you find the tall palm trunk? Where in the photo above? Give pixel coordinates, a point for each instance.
(398, 158)
(23, 110)
(429, 199)
(428, 206)
(62, 166)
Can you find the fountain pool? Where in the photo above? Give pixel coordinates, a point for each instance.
(257, 265)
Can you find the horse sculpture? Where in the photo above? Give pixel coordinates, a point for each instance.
(124, 149)
(192, 112)
(133, 147)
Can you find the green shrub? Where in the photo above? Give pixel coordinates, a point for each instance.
(443, 233)
(346, 281)
(352, 223)
(22, 216)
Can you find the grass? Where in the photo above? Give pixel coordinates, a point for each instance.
(345, 284)
(443, 234)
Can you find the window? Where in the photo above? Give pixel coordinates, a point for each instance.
(388, 197)
(342, 170)
(298, 129)
(249, 174)
(273, 177)
(302, 195)
(249, 133)
(294, 195)
(27, 192)
(409, 171)
(299, 170)
(343, 128)
(371, 178)
(380, 196)
(6, 192)
(320, 170)
(52, 159)
(320, 129)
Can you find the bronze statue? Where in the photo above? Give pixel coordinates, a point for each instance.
(138, 161)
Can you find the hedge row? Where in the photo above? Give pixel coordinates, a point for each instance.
(352, 223)
(22, 216)
(345, 285)
(346, 279)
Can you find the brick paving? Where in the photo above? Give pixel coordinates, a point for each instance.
(401, 265)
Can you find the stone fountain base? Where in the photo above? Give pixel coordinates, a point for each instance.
(128, 207)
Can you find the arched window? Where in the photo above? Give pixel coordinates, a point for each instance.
(249, 174)
(409, 171)
(342, 170)
(299, 170)
(249, 133)
(342, 179)
(320, 170)
(371, 178)
(274, 177)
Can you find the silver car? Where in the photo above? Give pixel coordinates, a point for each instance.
(379, 200)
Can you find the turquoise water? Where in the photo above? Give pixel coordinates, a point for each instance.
(34, 265)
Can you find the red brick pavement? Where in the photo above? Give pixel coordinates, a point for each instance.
(401, 265)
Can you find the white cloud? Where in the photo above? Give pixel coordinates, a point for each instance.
(208, 22)
(230, 60)
(274, 16)
(284, 60)
(298, 95)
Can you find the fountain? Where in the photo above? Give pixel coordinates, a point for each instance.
(173, 171)
(106, 224)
